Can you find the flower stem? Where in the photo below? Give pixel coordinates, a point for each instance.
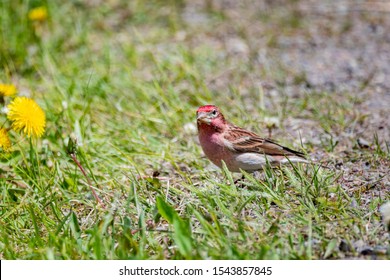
(73, 157)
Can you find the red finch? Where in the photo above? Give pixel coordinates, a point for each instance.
(237, 147)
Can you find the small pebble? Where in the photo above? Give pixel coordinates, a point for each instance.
(344, 246)
(363, 143)
(190, 128)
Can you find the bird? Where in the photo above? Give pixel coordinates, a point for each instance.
(238, 148)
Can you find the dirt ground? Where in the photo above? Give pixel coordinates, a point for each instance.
(338, 48)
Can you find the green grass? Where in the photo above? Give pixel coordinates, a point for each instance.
(120, 79)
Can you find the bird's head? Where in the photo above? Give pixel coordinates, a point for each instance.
(210, 115)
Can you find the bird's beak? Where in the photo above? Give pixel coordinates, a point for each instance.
(203, 117)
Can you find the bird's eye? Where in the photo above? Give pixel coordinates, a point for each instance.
(214, 113)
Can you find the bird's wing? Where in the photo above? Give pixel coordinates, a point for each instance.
(243, 141)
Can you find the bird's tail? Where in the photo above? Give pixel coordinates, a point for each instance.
(293, 159)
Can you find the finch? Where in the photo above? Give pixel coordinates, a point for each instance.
(238, 147)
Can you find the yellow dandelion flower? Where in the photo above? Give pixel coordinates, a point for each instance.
(27, 116)
(38, 14)
(7, 89)
(5, 143)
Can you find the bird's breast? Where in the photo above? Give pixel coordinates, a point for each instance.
(214, 148)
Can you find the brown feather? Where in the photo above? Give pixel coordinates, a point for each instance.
(244, 141)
